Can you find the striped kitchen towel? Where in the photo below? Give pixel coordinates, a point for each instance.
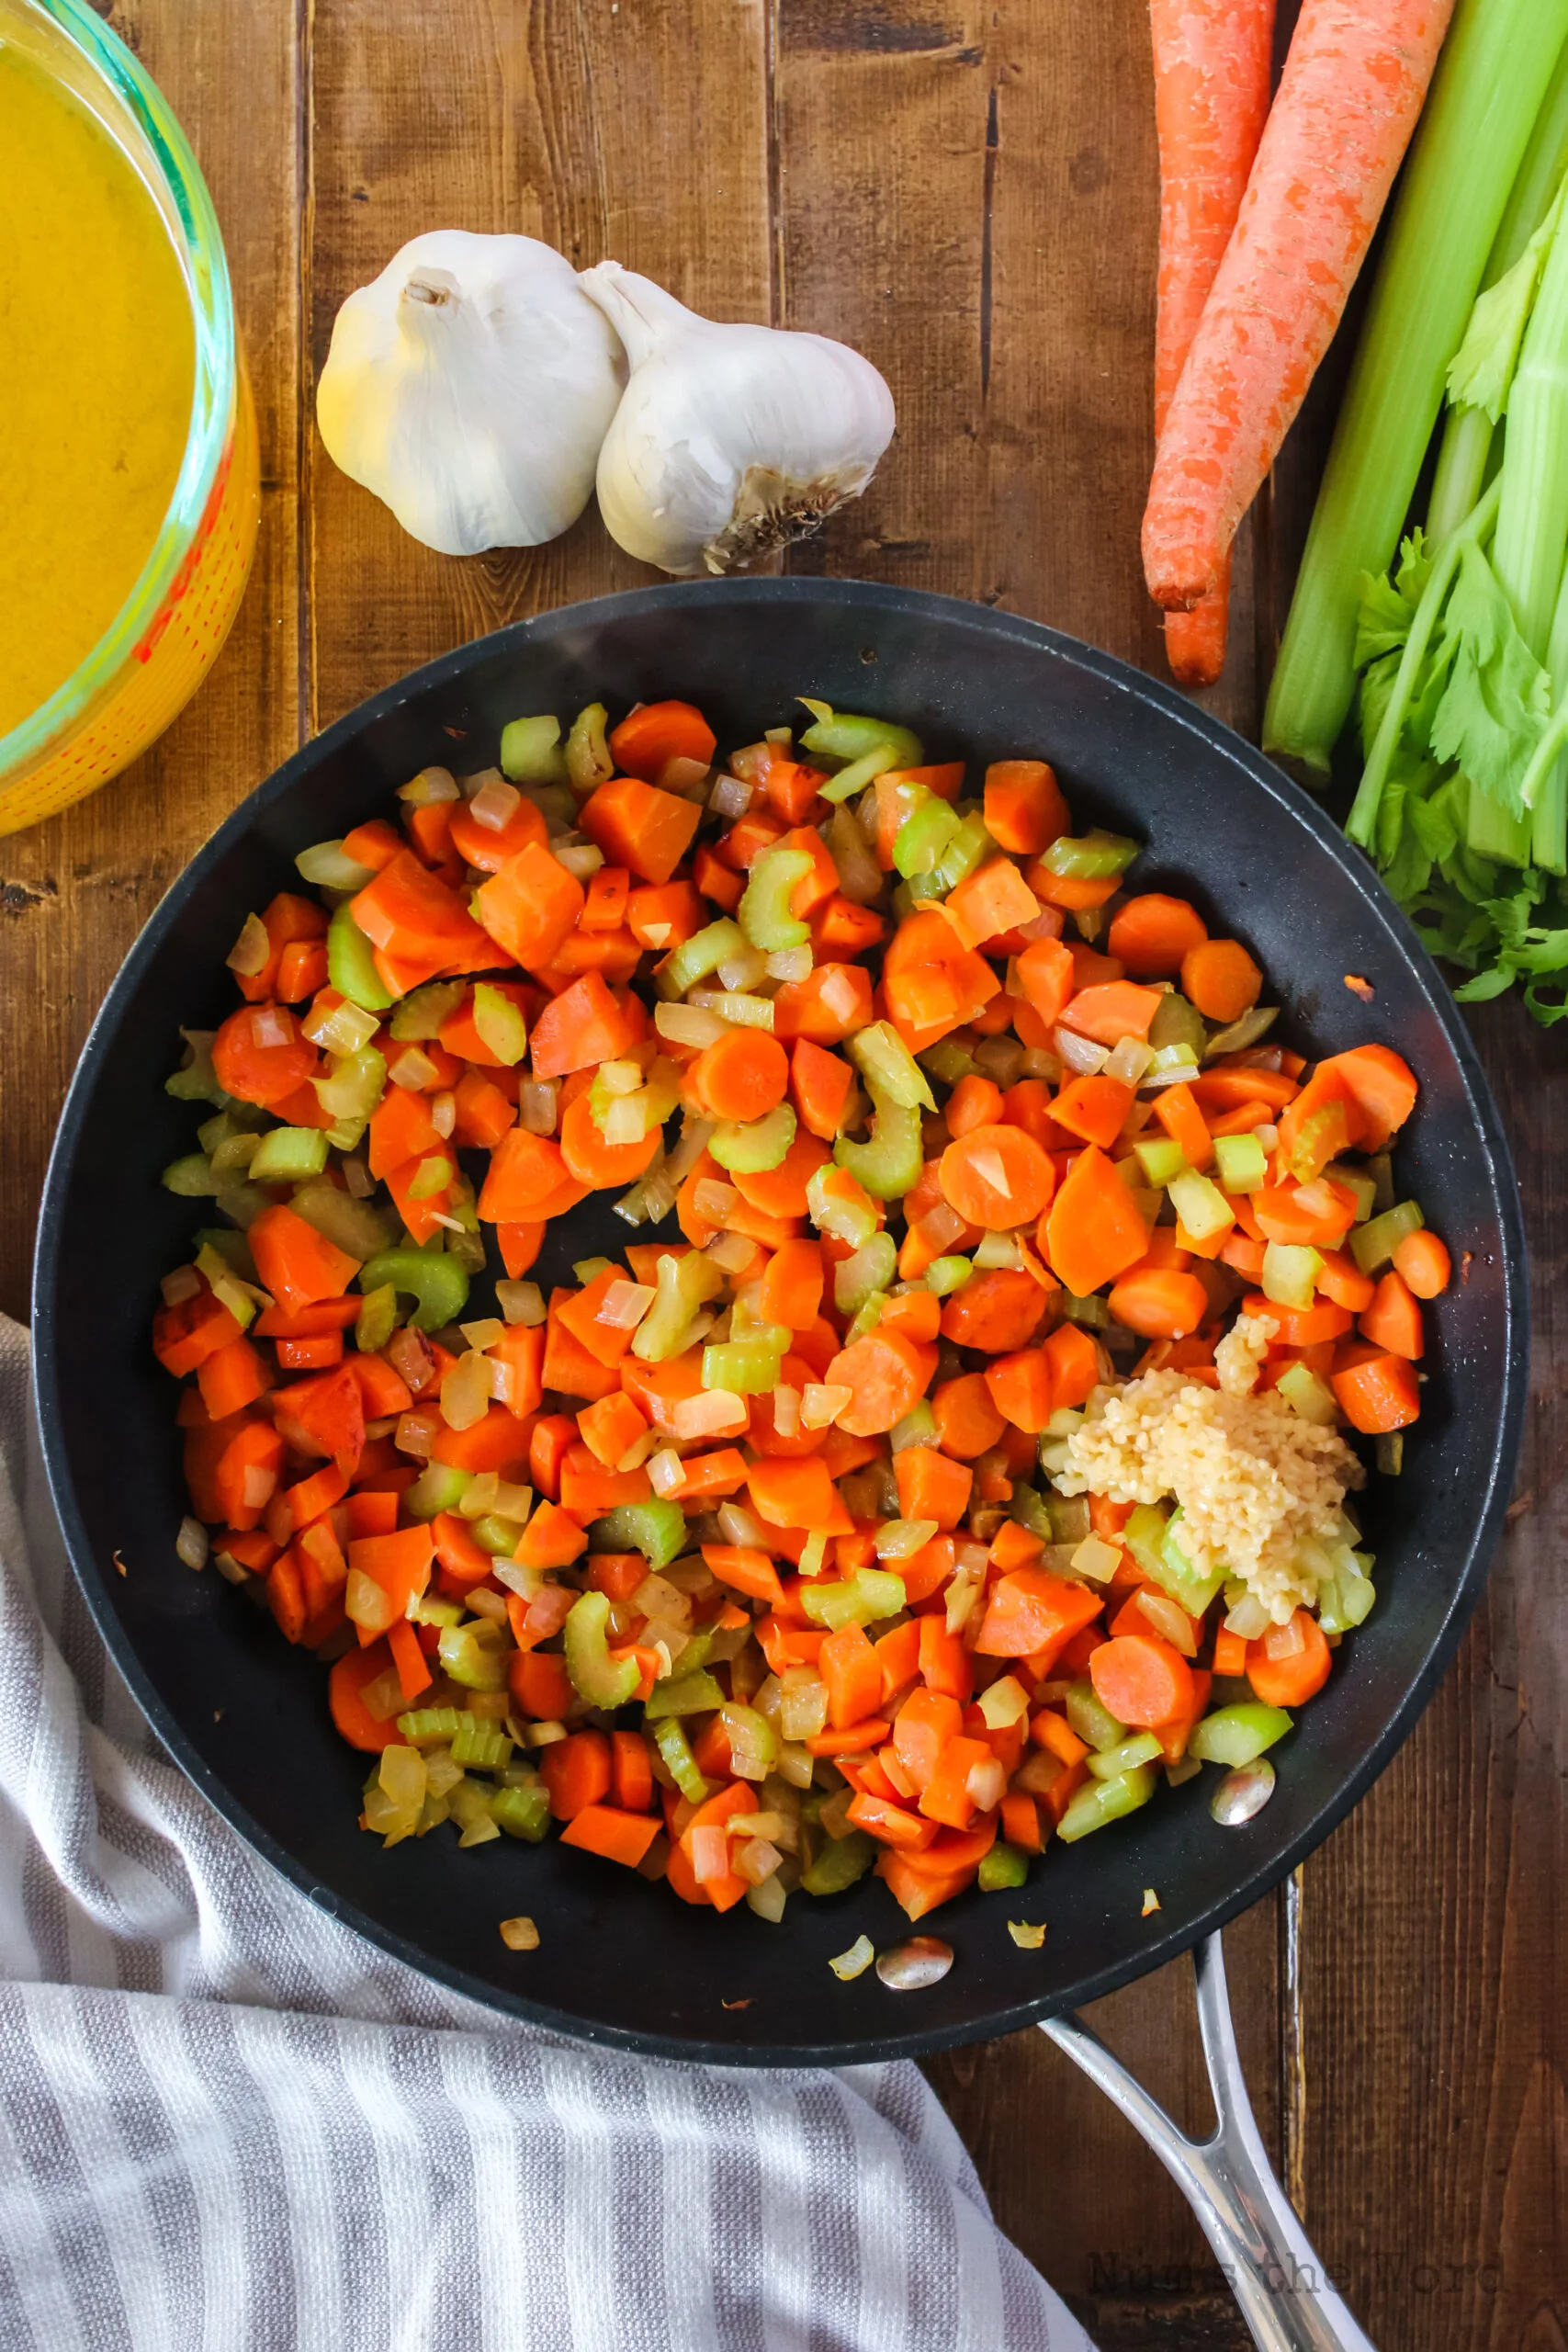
(233, 2126)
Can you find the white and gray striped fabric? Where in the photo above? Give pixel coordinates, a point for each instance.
(230, 2125)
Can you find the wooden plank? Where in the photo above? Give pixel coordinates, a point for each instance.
(636, 133)
(950, 203)
(1437, 1916)
(74, 892)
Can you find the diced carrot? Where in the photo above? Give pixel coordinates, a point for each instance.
(1029, 1608)
(945, 1797)
(996, 1177)
(1422, 1262)
(1021, 1389)
(1392, 1320)
(608, 1831)
(1177, 1109)
(1094, 1230)
(650, 738)
(1159, 1302)
(1291, 1681)
(552, 1539)
(346, 1684)
(1024, 808)
(638, 826)
(967, 1420)
(931, 1487)
(1140, 1678)
(1095, 1108)
(576, 1771)
(888, 1374)
(1150, 934)
(1220, 977)
(294, 1261)
(1110, 1010)
(996, 1311)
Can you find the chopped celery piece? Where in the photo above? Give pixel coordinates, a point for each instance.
(860, 772)
(225, 1126)
(889, 1067)
(1069, 1515)
(439, 1487)
(587, 1270)
(840, 1863)
(843, 735)
(1092, 1722)
(754, 1741)
(496, 1536)
(191, 1177)
(376, 1320)
(431, 1610)
(656, 1529)
(241, 1203)
(198, 1081)
(589, 760)
(433, 1175)
(765, 910)
(432, 1278)
(948, 1061)
(1109, 1764)
(433, 1727)
(351, 965)
(1176, 1022)
(1093, 857)
(1004, 1866)
(1289, 1273)
(923, 836)
(1307, 1394)
(747, 1149)
(421, 1011)
(531, 753)
(653, 1103)
(1099, 1801)
(838, 1206)
(1201, 1206)
(499, 1024)
(870, 1269)
(1029, 1509)
(917, 1428)
(473, 1657)
(697, 956)
(682, 1287)
(522, 1813)
(1373, 1245)
(1243, 1163)
(866, 1316)
(860, 1599)
(683, 1694)
(1346, 1599)
(675, 1749)
(1388, 1453)
(601, 1679)
(1144, 1535)
(746, 1367)
(944, 1275)
(1358, 1180)
(1091, 1313)
(1160, 1159)
(965, 853)
(1235, 1735)
(1175, 1572)
(887, 1165)
(482, 1746)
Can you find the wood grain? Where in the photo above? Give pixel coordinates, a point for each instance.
(74, 892)
(965, 189)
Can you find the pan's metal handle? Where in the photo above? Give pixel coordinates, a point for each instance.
(1265, 2254)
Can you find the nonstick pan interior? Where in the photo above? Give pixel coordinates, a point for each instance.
(621, 1959)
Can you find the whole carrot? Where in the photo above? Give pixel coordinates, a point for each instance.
(1352, 88)
(1212, 60)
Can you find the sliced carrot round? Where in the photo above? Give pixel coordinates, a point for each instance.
(1152, 933)
(592, 1161)
(889, 1375)
(1159, 1302)
(346, 1696)
(1142, 1680)
(781, 1191)
(1221, 978)
(998, 1177)
(742, 1075)
(1291, 1681)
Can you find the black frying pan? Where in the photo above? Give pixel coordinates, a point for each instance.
(620, 1960)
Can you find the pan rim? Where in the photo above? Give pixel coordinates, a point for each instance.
(1108, 670)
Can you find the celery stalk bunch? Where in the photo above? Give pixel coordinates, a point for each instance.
(1457, 639)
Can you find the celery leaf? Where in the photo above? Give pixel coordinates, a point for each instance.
(1497, 699)
(1481, 372)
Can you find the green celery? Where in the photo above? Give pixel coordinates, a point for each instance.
(1095, 857)
(439, 1487)
(1160, 1159)
(531, 753)
(1487, 92)
(747, 1148)
(376, 1319)
(1092, 1721)
(1201, 1206)
(1005, 1866)
(861, 1599)
(683, 1694)
(745, 1367)
(1140, 1748)
(965, 853)
(191, 1177)
(522, 1813)
(676, 1752)
(421, 1013)
(765, 910)
(842, 735)
(482, 1747)
(1237, 1734)
(1242, 1162)
(924, 837)
(1289, 1273)
(474, 1656)
(656, 1529)
(839, 1863)
(1100, 1801)
(682, 1287)
(887, 1165)
(589, 760)
(887, 1066)
(870, 1269)
(431, 1277)
(499, 1024)
(944, 1275)
(695, 958)
(351, 965)
(596, 1676)
(1373, 1245)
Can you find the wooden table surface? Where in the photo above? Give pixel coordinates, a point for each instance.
(965, 191)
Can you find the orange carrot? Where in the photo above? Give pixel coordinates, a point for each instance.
(638, 826)
(997, 1311)
(591, 1160)
(1025, 809)
(1382, 1086)
(576, 1770)
(792, 1286)
(644, 743)
(347, 1685)
(1159, 1302)
(742, 1075)
(1291, 1681)
(975, 1101)
(967, 1421)
(1142, 1680)
(847, 1665)
(820, 1085)
(996, 1177)
(1029, 1608)
(931, 1487)
(1221, 980)
(1112, 1010)
(888, 1374)
(1422, 1262)
(1021, 1388)
(1377, 1392)
(604, 1829)
(1094, 1107)
(1150, 934)
(1212, 73)
(1095, 1230)
(1391, 1319)
(1353, 89)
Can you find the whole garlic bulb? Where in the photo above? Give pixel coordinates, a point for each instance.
(471, 386)
(728, 440)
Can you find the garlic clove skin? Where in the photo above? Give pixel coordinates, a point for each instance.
(469, 386)
(730, 440)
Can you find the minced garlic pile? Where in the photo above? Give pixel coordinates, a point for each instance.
(1253, 1478)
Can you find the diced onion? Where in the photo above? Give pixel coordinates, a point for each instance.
(485, 1604)
(1080, 1055)
(183, 1284)
(744, 969)
(790, 964)
(839, 996)
(987, 1784)
(714, 1412)
(257, 1486)
(415, 1070)
(658, 1196)
(1006, 1702)
(484, 1333)
(1096, 1559)
(739, 1010)
(855, 1961)
(549, 1611)
(730, 797)
(940, 1228)
(495, 804)
(366, 1603)
(1171, 1619)
(271, 1025)
(1279, 1641)
(665, 1472)
(821, 1403)
(740, 1527)
(581, 859)
(537, 1105)
(686, 778)
(520, 1934)
(1038, 1063)
(757, 1859)
(431, 788)
(787, 1411)
(620, 1078)
(888, 1759)
(325, 866)
(443, 1111)
(899, 1539)
(624, 1305)
(1250, 1618)
(1130, 1058)
(729, 1251)
(521, 1303)
(627, 1121)
(251, 952)
(709, 1849)
(526, 1583)
(996, 1252)
(465, 1391)
(713, 1201)
(689, 1149)
(191, 1542)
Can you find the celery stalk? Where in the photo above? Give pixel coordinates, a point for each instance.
(1532, 518)
(1486, 98)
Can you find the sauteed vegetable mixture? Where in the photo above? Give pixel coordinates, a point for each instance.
(969, 1440)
